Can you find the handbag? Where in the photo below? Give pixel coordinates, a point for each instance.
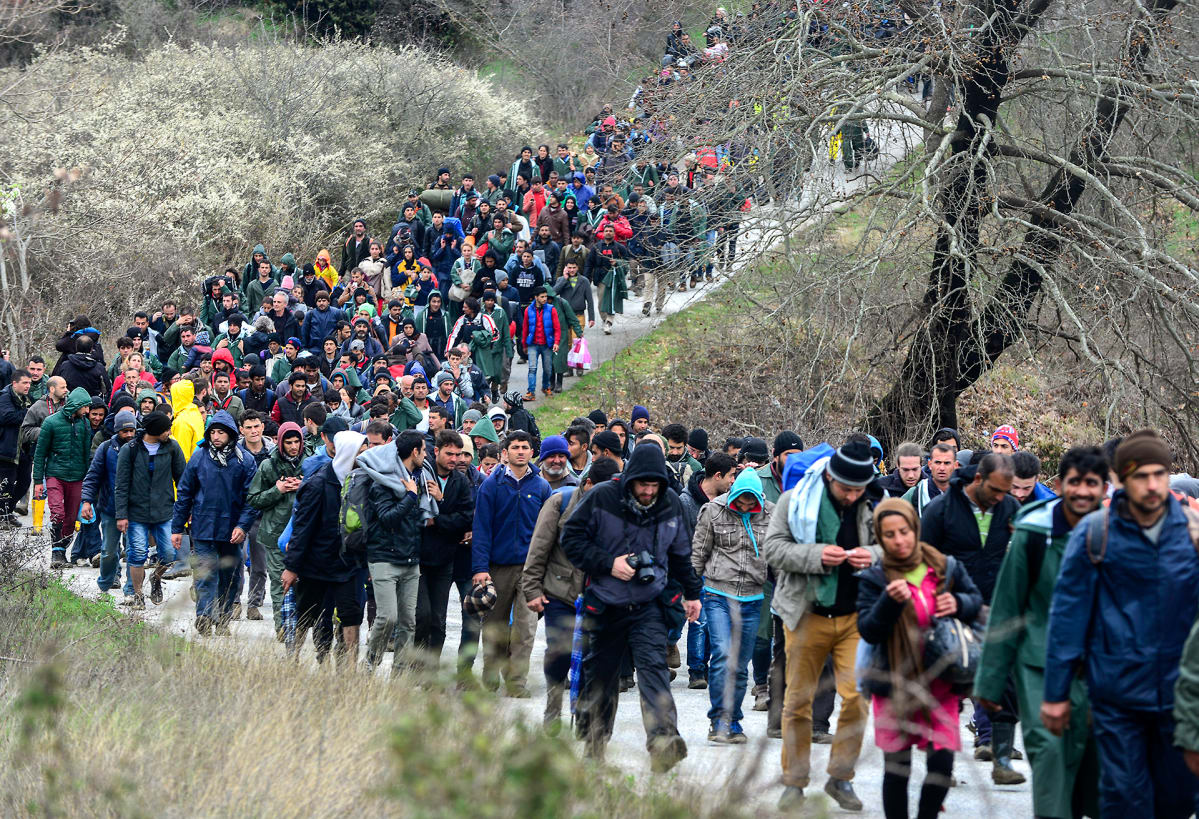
(952, 650)
(459, 292)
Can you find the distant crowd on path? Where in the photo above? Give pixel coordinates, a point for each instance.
(348, 442)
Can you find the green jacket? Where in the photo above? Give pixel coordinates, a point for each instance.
(770, 487)
(491, 358)
(256, 291)
(274, 505)
(235, 348)
(568, 320)
(1186, 695)
(279, 368)
(65, 444)
(406, 416)
(1014, 648)
(39, 388)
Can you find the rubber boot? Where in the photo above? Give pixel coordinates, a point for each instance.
(1002, 773)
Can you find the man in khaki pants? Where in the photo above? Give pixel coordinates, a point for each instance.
(819, 535)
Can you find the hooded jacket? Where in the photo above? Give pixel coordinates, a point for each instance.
(64, 447)
(86, 371)
(274, 506)
(188, 427)
(506, 512)
(250, 271)
(101, 478)
(441, 543)
(726, 549)
(143, 495)
(548, 572)
(213, 497)
(609, 523)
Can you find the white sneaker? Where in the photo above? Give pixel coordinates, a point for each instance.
(128, 600)
(607, 328)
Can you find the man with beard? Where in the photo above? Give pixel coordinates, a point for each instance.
(553, 460)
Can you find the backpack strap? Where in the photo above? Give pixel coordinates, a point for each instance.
(1097, 536)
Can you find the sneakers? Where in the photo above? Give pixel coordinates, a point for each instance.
(667, 753)
(723, 733)
(842, 793)
(607, 328)
(82, 562)
(95, 561)
(982, 753)
(645, 309)
(791, 800)
(252, 613)
(822, 738)
(696, 679)
(175, 573)
(126, 601)
(548, 393)
(530, 396)
(774, 733)
(761, 697)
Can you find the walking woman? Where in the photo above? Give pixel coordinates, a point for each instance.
(897, 603)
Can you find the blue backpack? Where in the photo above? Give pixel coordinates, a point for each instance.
(799, 463)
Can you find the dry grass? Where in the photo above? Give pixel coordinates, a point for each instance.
(103, 716)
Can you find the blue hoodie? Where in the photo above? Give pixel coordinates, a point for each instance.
(212, 496)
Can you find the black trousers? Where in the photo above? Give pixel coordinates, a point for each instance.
(642, 631)
(433, 596)
(14, 482)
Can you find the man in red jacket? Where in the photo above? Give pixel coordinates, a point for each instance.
(624, 231)
(542, 334)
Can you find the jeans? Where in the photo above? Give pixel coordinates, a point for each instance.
(732, 627)
(257, 570)
(110, 553)
(697, 643)
(559, 635)
(433, 598)
(396, 589)
(544, 354)
(137, 540)
(217, 564)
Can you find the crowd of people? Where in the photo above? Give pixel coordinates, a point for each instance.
(348, 443)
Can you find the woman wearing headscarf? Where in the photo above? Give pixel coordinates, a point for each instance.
(898, 600)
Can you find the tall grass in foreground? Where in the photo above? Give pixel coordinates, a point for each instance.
(103, 716)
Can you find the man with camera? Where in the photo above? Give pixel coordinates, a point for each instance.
(630, 538)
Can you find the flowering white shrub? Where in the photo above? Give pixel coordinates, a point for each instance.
(193, 155)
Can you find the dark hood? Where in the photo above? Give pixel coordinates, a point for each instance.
(83, 361)
(646, 463)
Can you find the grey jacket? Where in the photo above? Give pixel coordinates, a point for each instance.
(547, 569)
(36, 415)
(722, 552)
(796, 564)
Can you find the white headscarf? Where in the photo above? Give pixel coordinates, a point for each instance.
(345, 447)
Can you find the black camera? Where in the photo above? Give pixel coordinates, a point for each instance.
(642, 563)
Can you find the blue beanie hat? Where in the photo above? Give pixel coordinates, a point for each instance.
(554, 445)
(639, 412)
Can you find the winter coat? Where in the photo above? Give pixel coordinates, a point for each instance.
(257, 292)
(1125, 619)
(548, 254)
(441, 543)
(314, 550)
(213, 497)
(577, 255)
(559, 224)
(101, 477)
(31, 427)
(726, 549)
(231, 404)
(394, 535)
(188, 427)
(922, 494)
(288, 409)
(353, 252)
(86, 371)
(64, 447)
(273, 506)
(550, 326)
(505, 513)
(948, 525)
(606, 524)
(548, 572)
(571, 329)
(319, 325)
(13, 409)
(143, 496)
(798, 566)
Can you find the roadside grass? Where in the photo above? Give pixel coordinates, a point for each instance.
(105, 716)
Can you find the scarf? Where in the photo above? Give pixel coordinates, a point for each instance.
(221, 454)
(812, 518)
(905, 647)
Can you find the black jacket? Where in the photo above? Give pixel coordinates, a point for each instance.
(948, 524)
(314, 551)
(878, 614)
(84, 370)
(142, 496)
(395, 530)
(352, 254)
(441, 542)
(12, 413)
(606, 524)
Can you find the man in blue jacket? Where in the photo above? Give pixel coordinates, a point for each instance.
(506, 510)
(212, 494)
(631, 609)
(1124, 602)
(98, 496)
(320, 323)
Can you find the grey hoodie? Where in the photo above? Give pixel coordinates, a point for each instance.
(385, 467)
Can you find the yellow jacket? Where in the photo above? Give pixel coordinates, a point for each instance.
(328, 272)
(188, 427)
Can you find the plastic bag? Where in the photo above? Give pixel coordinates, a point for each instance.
(579, 356)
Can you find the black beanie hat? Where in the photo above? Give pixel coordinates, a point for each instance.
(608, 440)
(598, 417)
(785, 441)
(698, 439)
(754, 448)
(156, 423)
(852, 464)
